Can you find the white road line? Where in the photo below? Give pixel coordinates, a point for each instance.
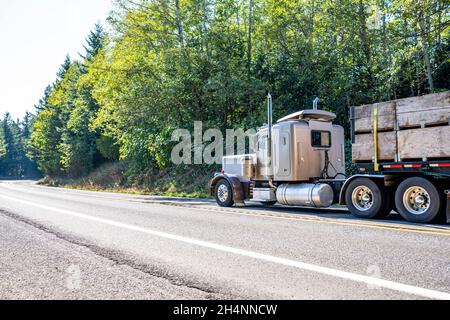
(418, 291)
(61, 193)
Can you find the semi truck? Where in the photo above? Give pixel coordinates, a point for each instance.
(402, 160)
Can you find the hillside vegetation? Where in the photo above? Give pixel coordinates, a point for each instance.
(163, 64)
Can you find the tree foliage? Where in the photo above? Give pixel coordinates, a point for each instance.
(167, 63)
(14, 142)
(62, 140)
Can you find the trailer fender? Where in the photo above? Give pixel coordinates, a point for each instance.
(236, 186)
(347, 183)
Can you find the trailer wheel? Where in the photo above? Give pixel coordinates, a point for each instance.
(366, 199)
(418, 200)
(224, 194)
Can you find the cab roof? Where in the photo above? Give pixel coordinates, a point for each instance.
(306, 115)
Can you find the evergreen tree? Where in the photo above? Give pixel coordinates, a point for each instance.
(62, 140)
(94, 43)
(8, 162)
(44, 101)
(14, 162)
(64, 68)
(29, 166)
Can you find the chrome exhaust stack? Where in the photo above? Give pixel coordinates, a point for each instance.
(316, 103)
(270, 170)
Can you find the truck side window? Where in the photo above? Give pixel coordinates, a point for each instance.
(321, 139)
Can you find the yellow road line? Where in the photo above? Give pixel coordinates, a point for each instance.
(244, 212)
(371, 225)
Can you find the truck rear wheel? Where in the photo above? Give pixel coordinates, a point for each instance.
(224, 194)
(367, 199)
(418, 200)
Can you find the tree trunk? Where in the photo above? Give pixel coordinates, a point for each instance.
(426, 52)
(365, 42)
(249, 53)
(249, 36)
(179, 23)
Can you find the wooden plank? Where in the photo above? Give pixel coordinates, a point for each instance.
(424, 118)
(424, 143)
(435, 100)
(364, 117)
(363, 149)
(432, 109)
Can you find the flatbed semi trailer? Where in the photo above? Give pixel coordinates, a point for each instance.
(300, 161)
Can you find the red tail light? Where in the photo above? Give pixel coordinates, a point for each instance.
(393, 166)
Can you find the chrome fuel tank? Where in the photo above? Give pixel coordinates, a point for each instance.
(307, 195)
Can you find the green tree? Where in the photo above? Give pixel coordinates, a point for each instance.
(45, 139)
(64, 68)
(14, 161)
(168, 63)
(62, 140)
(94, 43)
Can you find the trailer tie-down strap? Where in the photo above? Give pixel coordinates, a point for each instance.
(375, 138)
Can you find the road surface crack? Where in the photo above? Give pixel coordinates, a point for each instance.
(120, 258)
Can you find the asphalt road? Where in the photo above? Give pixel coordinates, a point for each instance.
(68, 244)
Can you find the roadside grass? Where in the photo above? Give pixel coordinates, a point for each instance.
(188, 182)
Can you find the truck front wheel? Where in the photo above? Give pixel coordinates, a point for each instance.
(418, 200)
(367, 199)
(224, 194)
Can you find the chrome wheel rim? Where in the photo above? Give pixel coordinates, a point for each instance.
(362, 198)
(222, 193)
(416, 200)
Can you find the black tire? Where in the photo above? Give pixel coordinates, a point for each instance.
(379, 205)
(224, 199)
(425, 213)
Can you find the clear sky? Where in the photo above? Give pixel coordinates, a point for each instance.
(35, 36)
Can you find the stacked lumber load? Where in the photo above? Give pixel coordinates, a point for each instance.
(407, 129)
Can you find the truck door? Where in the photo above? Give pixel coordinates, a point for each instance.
(282, 155)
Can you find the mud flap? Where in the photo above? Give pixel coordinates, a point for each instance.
(238, 191)
(236, 186)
